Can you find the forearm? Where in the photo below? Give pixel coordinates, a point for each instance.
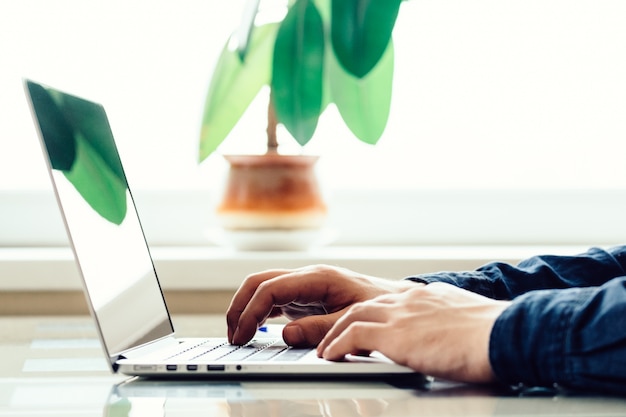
(574, 338)
(503, 281)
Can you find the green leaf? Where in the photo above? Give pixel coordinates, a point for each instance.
(79, 142)
(91, 121)
(57, 133)
(360, 32)
(364, 103)
(324, 8)
(298, 69)
(97, 183)
(233, 86)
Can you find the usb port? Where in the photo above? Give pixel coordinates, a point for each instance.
(215, 367)
(144, 368)
(192, 367)
(171, 367)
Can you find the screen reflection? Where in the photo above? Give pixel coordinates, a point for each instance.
(101, 219)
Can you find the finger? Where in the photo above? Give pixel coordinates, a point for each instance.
(243, 295)
(309, 331)
(367, 311)
(357, 338)
(300, 286)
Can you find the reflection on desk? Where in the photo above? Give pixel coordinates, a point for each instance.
(336, 399)
(144, 398)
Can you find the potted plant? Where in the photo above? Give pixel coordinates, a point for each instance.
(320, 52)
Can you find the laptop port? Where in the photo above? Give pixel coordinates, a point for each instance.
(192, 367)
(171, 367)
(215, 367)
(144, 368)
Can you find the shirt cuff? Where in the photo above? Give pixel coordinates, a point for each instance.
(528, 343)
(474, 281)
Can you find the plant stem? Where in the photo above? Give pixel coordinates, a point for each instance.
(272, 141)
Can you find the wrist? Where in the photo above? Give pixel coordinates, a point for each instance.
(398, 286)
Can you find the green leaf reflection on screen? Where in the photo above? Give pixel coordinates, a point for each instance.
(99, 185)
(79, 141)
(56, 131)
(89, 120)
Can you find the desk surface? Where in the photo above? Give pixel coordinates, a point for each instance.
(55, 366)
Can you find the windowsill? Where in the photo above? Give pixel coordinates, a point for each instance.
(207, 268)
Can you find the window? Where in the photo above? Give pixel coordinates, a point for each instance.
(508, 122)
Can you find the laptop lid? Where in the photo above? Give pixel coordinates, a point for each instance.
(100, 216)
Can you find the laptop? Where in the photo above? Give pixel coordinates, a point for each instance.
(119, 279)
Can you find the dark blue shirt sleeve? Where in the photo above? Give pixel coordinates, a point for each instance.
(566, 325)
(502, 281)
(573, 338)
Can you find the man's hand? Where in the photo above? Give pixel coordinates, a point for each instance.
(313, 297)
(437, 329)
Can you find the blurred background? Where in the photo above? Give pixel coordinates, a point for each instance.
(508, 121)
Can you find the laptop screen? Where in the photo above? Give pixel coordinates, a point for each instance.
(101, 219)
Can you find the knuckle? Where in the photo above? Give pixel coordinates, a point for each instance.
(358, 331)
(362, 306)
(253, 279)
(263, 288)
(356, 309)
(323, 269)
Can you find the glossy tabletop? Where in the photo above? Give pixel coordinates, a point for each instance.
(54, 366)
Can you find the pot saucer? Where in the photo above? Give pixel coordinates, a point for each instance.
(272, 240)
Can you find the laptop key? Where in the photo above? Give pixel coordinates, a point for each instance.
(186, 353)
(217, 353)
(240, 354)
(254, 348)
(266, 354)
(292, 354)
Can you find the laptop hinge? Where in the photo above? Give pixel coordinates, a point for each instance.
(148, 348)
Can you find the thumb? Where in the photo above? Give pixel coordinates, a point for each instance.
(309, 331)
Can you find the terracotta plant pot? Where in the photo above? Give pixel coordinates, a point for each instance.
(271, 192)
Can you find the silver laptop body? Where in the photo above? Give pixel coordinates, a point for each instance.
(119, 279)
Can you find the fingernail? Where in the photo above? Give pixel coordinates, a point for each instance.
(293, 335)
(324, 354)
(319, 349)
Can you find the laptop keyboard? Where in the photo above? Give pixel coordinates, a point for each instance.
(257, 350)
